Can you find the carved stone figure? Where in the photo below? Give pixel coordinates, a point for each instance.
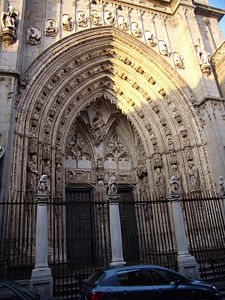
(67, 22)
(123, 23)
(33, 35)
(42, 188)
(50, 28)
(136, 29)
(160, 183)
(98, 128)
(59, 178)
(204, 60)
(174, 186)
(178, 60)
(110, 18)
(194, 179)
(112, 186)
(157, 161)
(150, 38)
(82, 20)
(221, 186)
(32, 172)
(9, 24)
(95, 18)
(163, 49)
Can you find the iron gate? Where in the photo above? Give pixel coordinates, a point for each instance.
(76, 248)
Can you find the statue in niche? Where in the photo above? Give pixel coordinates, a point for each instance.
(188, 153)
(163, 49)
(123, 23)
(33, 35)
(95, 18)
(193, 177)
(50, 28)
(204, 59)
(112, 188)
(47, 167)
(67, 22)
(101, 193)
(98, 128)
(110, 18)
(160, 183)
(203, 56)
(221, 186)
(143, 192)
(9, 24)
(42, 188)
(175, 172)
(150, 38)
(82, 20)
(157, 161)
(58, 175)
(178, 60)
(136, 29)
(32, 172)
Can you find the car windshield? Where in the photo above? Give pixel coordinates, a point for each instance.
(94, 278)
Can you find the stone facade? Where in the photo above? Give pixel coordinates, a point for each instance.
(91, 89)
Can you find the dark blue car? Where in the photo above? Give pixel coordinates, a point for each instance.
(142, 282)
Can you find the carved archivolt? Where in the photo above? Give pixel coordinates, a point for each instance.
(147, 94)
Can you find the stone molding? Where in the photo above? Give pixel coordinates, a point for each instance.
(116, 70)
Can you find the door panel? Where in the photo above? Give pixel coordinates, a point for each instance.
(80, 226)
(129, 225)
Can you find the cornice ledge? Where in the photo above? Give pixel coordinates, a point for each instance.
(208, 99)
(208, 10)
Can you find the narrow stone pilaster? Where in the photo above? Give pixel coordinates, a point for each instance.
(41, 278)
(115, 230)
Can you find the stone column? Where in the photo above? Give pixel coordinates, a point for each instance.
(187, 264)
(114, 220)
(115, 230)
(41, 278)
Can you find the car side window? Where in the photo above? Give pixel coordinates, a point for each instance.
(7, 294)
(159, 276)
(134, 277)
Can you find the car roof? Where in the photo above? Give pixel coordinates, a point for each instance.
(112, 270)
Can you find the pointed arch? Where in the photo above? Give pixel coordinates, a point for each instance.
(105, 62)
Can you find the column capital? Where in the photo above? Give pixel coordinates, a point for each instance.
(113, 198)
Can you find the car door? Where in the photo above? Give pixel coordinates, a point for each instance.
(169, 285)
(134, 285)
